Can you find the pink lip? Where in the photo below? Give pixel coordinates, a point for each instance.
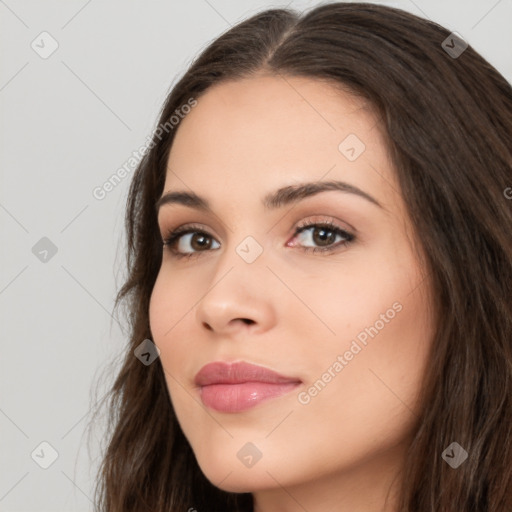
(235, 387)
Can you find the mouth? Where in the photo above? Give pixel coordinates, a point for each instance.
(236, 387)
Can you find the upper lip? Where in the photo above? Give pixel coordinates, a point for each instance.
(221, 372)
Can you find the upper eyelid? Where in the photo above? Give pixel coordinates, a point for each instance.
(324, 219)
(300, 227)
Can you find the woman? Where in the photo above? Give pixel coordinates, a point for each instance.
(320, 266)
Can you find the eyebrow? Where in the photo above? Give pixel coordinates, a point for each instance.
(281, 197)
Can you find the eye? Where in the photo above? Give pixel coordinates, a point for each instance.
(191, 240)
(323, 234)
(180, 240)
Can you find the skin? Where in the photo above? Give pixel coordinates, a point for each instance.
(343, 449)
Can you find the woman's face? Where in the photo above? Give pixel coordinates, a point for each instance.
(347, 325)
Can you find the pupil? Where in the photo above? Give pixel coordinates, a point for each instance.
(323, 237)
(199, 240)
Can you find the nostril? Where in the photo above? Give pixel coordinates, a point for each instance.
(247, 321)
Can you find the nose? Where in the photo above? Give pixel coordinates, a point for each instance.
(217, 326)
(238, 299)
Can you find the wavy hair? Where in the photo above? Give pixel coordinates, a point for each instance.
(447, 121)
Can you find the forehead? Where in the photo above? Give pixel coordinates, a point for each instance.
(269, 131)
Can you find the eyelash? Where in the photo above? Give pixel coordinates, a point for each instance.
(173, 237)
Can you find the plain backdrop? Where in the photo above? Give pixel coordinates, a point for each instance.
(69, 120)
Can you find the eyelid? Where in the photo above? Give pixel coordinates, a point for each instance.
(310, 219)
(174, 235)
(167, 228)
(330, 220)
(331, 226)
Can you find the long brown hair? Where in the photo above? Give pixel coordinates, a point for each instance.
(447, 119)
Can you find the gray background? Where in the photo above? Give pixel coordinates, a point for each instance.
(68, 122)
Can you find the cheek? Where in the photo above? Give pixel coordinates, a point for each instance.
(171, 300)
(372, 402)
(167, 309)
(160, 312)
(385, 343)
(379, 312)
(172, 322)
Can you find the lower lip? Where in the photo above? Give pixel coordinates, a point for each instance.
(239, 397)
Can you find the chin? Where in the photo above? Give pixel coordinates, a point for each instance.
(229, 474)
(238, 480)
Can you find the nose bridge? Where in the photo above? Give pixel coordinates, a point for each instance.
(243, 263)
(246, 239)
(238, 288)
